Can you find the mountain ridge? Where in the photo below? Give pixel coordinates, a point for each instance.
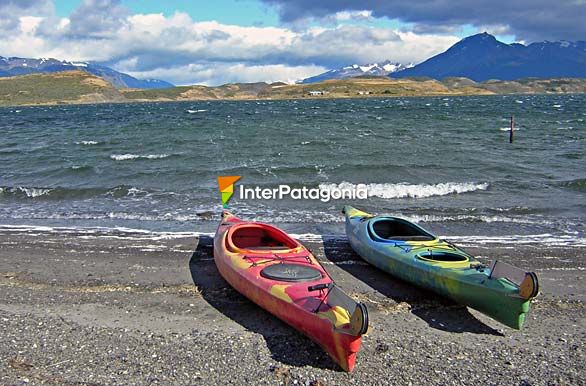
(482, 57)
(377, 69)
(14, 66)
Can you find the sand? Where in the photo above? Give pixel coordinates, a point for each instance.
(130, 308)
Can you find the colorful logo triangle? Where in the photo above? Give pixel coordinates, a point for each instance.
(226, 186)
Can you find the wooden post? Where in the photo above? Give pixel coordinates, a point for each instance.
(512, 129)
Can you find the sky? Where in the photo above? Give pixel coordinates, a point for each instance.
(222, 41)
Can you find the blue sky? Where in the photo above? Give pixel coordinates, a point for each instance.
(221, 41)
(240, 12)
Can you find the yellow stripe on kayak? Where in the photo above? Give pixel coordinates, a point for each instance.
(278, 290)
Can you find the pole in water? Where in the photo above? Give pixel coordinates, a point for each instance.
(512, 129)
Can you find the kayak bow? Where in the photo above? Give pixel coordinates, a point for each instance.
(409, 252)
(279, 274)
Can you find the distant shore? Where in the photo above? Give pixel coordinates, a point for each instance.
(139, 308)
(78, 87)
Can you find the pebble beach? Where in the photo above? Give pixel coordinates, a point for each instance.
(134, 308)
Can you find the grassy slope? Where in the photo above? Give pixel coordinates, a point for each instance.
(81, 87)
(227, 91)
(55, 88)
(374, 86)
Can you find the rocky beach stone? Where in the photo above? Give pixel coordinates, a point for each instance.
(104, 310)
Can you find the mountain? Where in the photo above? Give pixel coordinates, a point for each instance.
(375, 69)
(23, 66)
(482, 57)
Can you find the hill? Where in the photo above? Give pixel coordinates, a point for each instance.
(80, 87)
(56, 88)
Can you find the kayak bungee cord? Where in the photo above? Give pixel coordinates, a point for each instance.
(276, 257)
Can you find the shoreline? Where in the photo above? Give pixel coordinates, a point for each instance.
(131, 308)
(81, 88)
(145, 101)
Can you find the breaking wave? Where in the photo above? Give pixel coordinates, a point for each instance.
(62, 193)
(126, 157)
(404, 190)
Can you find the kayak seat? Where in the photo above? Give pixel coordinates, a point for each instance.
(291, 272)
(261, 238)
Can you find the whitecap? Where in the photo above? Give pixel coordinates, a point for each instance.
(126, 157)
(33, 192)
(404, 190)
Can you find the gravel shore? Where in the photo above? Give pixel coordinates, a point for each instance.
(100, 308)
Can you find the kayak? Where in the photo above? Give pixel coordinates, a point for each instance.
(279, 274)
(409, 252)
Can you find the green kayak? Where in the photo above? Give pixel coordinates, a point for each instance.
(409, 252)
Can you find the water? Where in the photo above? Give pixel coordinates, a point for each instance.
(445, 162)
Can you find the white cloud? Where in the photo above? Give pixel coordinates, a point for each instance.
(183, 51)
(353, 15)
(213, 74)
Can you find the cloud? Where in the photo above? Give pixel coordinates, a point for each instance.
(178, 49)
(526, 19)
(12, 10)
(213, 74)
(97, 18)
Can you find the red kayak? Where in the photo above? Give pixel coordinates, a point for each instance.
(279, 274)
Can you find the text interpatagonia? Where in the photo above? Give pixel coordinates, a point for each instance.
(324, 194)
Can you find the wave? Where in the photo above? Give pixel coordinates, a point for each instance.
(426, 218)
(62, 193)
(88, 232)
(126, 157)
(404, 190)
(87, 143)
(548, 239)
(578, 184)
(21, 191)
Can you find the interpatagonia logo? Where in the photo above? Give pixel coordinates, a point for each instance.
(226, 186)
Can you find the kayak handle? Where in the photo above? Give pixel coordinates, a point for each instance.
(318, 287)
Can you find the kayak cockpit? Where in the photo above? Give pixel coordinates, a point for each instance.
(443, 257)
(259, 237)
(396, 229)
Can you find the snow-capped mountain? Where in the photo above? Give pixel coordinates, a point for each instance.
(22, 66)
(376, 69)
(482, 57)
